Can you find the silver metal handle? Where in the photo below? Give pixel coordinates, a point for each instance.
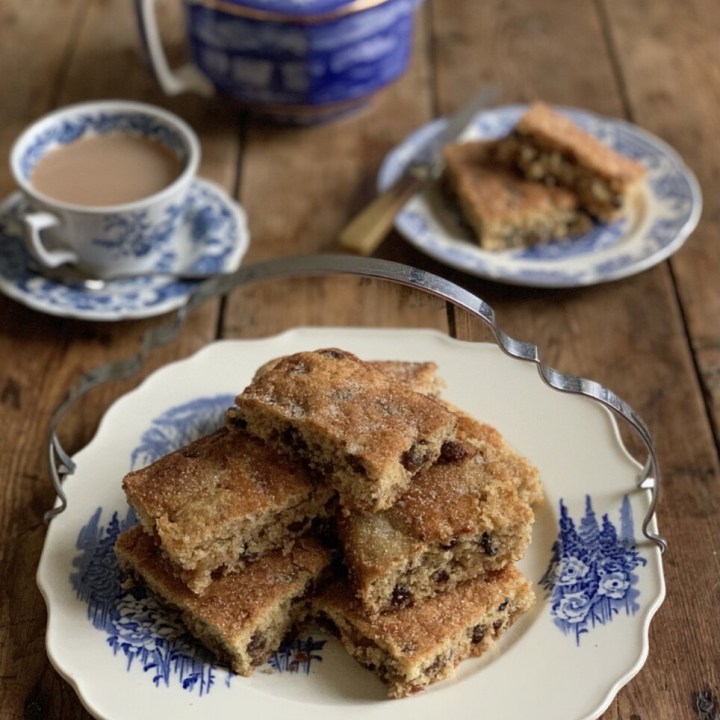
(320, 265)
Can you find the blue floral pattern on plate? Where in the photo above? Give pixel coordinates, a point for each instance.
(590, 579)
(147, 635)
(213, 238)
(658, 222)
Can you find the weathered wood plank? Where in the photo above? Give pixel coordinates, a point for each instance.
(301, 185)
(27, 90)
(628, 335)
(670, 64)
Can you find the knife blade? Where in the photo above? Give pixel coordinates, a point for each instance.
(368, 228)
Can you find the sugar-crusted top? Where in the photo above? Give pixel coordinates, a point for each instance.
(421, 377)
(452, 500)
(487, 487)
(501, 456)
(353, 405)
(190, 494)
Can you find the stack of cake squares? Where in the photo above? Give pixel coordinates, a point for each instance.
(223, 538)
(346, 493)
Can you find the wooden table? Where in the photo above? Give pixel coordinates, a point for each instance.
(653, 338)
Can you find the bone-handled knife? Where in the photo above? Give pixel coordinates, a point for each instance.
(367, 229)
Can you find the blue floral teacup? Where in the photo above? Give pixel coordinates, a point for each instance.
(105, 238)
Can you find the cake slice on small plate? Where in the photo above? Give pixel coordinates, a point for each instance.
(465, 517)
(504, 209)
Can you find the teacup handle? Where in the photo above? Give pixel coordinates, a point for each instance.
(35, 223)
(186, 78)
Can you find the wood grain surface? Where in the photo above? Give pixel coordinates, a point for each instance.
(653, 338)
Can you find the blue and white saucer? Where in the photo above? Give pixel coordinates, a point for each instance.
(663, 215)
(213, 238)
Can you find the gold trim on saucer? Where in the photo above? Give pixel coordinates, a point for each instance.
(233, 8)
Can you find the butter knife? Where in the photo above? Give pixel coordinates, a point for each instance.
(367, 229)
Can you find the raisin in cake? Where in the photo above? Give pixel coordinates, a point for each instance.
(222, 501)
(366, 434)
(462, 518)
(412, 647)
(243, 616)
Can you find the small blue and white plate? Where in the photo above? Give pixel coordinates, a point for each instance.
(598, 581)
(212, 238)
(663, 215)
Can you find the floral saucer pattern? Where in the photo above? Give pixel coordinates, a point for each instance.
(658, 222)
(212, 238)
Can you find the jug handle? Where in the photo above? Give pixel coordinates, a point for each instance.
(186, 78)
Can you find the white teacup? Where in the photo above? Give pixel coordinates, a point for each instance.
(107, 238)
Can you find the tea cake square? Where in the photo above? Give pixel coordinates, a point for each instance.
(503, 209)
(222, 501)
(462, 518)
(243, 616)
(364, 433)
(413, 647)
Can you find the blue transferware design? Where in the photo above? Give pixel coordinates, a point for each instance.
(297, 655)
(140, 630)
(134, 235)
(591, 578)
(100, 124)
(648, 235)
(212, 239)
(298, 64)
(179, 426)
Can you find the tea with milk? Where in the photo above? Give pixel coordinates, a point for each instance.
(106, 170)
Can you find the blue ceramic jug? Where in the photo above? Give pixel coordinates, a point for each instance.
(292, 59)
